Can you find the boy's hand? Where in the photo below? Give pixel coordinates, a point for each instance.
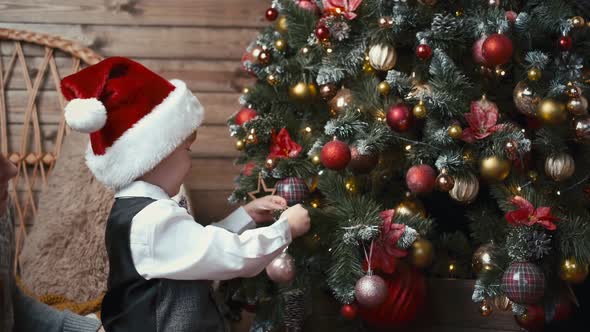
(298, 219)
(7, 172)
(261, 209)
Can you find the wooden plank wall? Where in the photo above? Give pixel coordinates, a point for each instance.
(198, 41)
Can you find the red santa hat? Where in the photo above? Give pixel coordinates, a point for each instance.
(135, 118)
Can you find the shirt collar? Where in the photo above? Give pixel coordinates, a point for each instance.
(142, 189)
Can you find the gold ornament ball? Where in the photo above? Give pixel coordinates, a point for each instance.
(485, 309)
(272, 79)
(383, 88)
(577, 106)
(316, 160)
(502, 302)
(282, 24)
(351, 185)
(560, 166)
(252, 138)
(573, 271)
(482, 258)
(410, 207)
(494, 168)
(455, 131)
(465, 189)
(578, 21)
(551, 111)
(422, 253)
(534, 74)
(303, 91)
(572, 90)
(367, 68)
(420, 110)
(240, 145)
(280, 45)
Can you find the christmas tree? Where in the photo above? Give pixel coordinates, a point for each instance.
(415, 131)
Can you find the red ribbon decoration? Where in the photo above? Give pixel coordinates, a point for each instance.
(482, 120)
(386, 251)
(344, 7)
(527, 215)
(283, 146)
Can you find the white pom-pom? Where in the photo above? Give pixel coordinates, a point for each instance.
(86, 115)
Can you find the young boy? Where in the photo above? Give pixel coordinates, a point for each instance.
(160, 260)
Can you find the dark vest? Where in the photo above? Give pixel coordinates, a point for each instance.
(134, 304)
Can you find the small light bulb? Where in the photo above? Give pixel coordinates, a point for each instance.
(518, 189)
(558, 193)
(408, 147)
(245, 90)
(329, 50)
(305, 50)
(308, 129)
(451, 267)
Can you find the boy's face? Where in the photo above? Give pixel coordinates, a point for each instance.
(170, 172)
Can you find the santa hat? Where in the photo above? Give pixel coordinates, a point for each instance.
(135, 118)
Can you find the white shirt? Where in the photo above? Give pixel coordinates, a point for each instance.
(166, 242)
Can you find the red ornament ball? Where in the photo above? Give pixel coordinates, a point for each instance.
(511, 16)
(476, 51)
(533, 320)
(524, 283)
(349, 311)
(244, 115)
(423, 52)
(406, 296)
(322, 32)
(421, 179)
(565, 43)
(399, 117)
(335, 155)
(362, 163)
(497, 49)
(272, 14)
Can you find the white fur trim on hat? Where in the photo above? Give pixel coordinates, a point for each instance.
(85, 115)
(149, 141)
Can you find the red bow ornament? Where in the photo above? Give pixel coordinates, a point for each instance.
(527, 215)
(344, 7)
(283, 146)
(482, 120)
(386, 252)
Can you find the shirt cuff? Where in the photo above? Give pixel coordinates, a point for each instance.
(282, 228)
(237, 222)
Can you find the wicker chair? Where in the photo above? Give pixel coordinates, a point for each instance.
(22, 139)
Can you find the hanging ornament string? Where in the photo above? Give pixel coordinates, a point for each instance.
(369, 257)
